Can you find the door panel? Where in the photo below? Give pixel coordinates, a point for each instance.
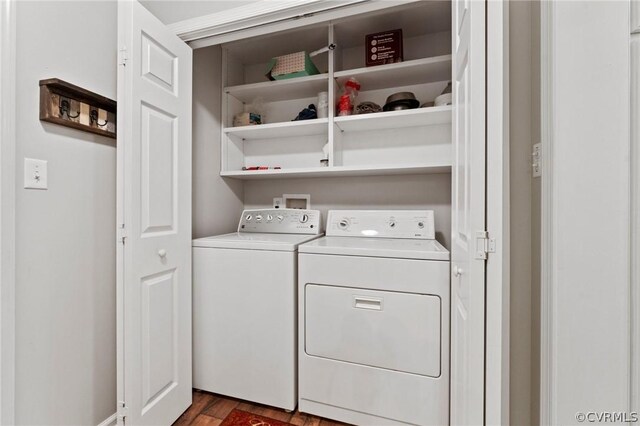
(159, 149)
(468, 209)
(159, 330)
(158, 64)
(154, 195)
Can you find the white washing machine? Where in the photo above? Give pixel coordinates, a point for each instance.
(374, 320)
(244, 307)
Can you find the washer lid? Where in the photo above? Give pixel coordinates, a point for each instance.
(377, 247)
(254, 241)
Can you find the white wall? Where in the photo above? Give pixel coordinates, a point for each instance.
(217, 202)
(431, 192)
(65, 254)
(587, 219)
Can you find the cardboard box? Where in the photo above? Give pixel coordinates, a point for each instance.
(297, 64)
(246, 119)
(383, 48)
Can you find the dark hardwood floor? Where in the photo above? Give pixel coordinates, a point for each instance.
(209, 409)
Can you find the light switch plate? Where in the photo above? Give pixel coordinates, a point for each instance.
(35, 174)
(277, 203)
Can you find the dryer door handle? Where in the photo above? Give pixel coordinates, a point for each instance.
(370, 303)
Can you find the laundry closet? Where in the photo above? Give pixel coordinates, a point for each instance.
(424, 158)
(396, 159)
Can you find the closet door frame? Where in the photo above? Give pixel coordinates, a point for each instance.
(497, 320)
(248, 21)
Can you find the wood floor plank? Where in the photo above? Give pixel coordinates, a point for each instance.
(299, 419)
(204, 420)
(210, 409)
(200, 401)
(221, 407)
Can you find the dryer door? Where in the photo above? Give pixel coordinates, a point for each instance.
(385, 329)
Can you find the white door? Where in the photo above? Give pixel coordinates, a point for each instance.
(468, 209)
(154, 211)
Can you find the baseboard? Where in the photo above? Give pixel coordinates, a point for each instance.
(110, 421)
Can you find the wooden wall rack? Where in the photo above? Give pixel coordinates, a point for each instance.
(72, 106)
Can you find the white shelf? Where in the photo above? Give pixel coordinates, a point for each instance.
(418, 71)
(395, 119)
(287, 129)
(279, 90)
(340, 171)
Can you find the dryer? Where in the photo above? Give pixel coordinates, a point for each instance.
(244, 306)
(373, 305)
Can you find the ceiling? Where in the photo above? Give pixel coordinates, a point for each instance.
(170, 11)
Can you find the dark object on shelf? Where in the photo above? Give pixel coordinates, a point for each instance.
(400, 101)
(309, 113)
(427, 104)
(72, 106)
(383, 48)
(368, 108)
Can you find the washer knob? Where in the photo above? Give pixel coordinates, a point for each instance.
(392, 223)
(258, 217)
(269, 218)
(420, 225)
(280, 218)
(343, 224)
(248, 218)
(304, 218)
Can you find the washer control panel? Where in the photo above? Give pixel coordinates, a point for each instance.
(280, 221)
(413, 224)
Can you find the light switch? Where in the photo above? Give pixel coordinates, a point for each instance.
(35, 174)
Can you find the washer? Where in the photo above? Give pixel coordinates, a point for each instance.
(374, 320)
(244, 306)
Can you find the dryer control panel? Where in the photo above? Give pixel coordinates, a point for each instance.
(410, 224)
(281, 221)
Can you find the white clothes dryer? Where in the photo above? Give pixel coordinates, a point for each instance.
(244, 306)
(374, 320)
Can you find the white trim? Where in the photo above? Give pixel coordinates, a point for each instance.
(243, 17)
(266, 17)
(110, 421)
(497, 216)
(547, 300)
(7, 210)
(634, 308)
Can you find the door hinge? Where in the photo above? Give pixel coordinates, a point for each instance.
(122, 237)
(536, 160)
(484, 245)
(122, 412)
(122, 56)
